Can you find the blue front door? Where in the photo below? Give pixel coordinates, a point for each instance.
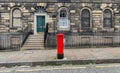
(40, 23)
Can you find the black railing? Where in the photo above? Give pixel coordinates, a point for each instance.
(25, 38)
(12, 41)
(45, 34)
(28, 32)
(86, 39)
(28, 28)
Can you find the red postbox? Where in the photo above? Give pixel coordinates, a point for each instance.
(60, 46)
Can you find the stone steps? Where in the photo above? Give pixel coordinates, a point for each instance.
(34, 42)
(39, 41)
(33, 47)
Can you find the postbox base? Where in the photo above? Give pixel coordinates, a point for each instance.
(60, 56)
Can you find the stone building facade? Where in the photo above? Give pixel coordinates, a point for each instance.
(61, 15)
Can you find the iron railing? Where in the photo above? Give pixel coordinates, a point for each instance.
(12, 41)
(28, 31)
(28, 28)
(85, 39)
(45, 34)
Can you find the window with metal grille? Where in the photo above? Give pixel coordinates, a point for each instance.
(85, 19)
(107, 18)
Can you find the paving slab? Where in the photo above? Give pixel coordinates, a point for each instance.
(50, 56)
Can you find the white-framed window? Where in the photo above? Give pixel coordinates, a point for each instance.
(16, 18)
(63, 18)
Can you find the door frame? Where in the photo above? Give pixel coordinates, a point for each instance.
(35, 20)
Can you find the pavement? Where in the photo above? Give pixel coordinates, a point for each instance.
(71, 56)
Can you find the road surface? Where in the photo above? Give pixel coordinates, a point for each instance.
(91, 68)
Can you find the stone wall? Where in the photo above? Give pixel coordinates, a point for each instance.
(29, 9)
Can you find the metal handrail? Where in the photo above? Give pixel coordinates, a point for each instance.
(28, 28)
(46, 33)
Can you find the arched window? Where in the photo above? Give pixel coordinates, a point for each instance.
(16, 18)
(63, 18)
(85, 19)
(107, 18)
